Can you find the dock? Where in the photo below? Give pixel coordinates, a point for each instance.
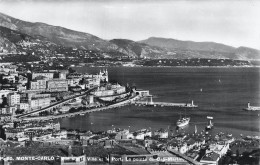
(165, 104)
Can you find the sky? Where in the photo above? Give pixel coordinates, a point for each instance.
(232, 22)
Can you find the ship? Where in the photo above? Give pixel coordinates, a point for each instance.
(251, 108)
(210, 124)
(183, 121)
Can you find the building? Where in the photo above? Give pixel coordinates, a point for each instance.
(142, 93)
(21, 88)
(10, 110)
(22, 79)
(10, 78)
(211, 158)
(24, 106)
(39, 83)
(109, 90)
(13, 99)
(90, 99)
(91, 82)
(141, 134)
(123, 135)
(161, 133)
(8, 68)
(57, 85)
(62, 74)
(37, 101)
(48, 75)
(4, 93)
(73, 81)
(34, 100)
(11, 133)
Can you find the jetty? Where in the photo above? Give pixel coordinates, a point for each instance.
(150, 102)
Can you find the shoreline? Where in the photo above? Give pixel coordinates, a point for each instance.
(138, 66)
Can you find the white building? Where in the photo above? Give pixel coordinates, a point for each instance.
(161, 133)
(24, 106)
(48, 75)
(141, 134)
(57, 85)
(13, 99)
(211, 158)
(10, 78)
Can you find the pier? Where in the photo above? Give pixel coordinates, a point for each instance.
(150, 102)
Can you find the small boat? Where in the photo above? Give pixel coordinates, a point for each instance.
(183, 121)
(229, 135)
(210, 124)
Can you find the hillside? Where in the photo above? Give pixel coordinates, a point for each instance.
(137, 49)
(18, 36)
(204, 49)
(55, 34)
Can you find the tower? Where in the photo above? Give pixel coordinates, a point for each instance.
(106, 74)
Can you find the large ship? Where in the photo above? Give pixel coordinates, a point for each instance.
(183, 121)
(209, 126)
(251, 108)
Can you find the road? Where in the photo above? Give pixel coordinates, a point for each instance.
(55, 104)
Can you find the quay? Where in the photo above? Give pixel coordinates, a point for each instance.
(150, 102)
(116, 105)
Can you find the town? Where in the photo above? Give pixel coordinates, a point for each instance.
(31, 101)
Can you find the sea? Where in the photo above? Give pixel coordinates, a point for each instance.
(219, 92)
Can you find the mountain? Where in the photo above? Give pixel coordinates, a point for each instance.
(19, 36)
(187, 45)
(248, 53)
(12, 41)
(137, 49)
(55, 34)
(70, 38)
(204, 49)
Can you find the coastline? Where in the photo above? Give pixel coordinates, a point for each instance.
(139, 66)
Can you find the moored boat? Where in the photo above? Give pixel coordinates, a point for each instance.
(209, 126)
(183, 121)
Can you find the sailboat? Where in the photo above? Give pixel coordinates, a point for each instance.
(183, 121)
(195, 130)
(210, 124)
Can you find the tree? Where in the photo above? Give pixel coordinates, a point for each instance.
(19, 111)
(71, 70)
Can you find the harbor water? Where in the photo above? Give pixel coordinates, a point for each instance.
(219, 92)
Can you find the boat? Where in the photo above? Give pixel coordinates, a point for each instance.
(251, 108)
(229, 135)
(210, 124)
(183, 121)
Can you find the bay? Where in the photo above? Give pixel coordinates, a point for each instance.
(219, 92)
